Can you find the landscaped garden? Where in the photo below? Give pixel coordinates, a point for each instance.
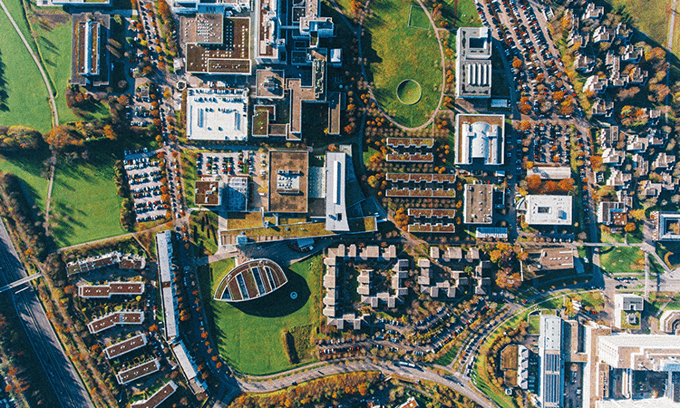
(244, 331)
(397, 52)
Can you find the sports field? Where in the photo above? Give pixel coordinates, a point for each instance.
(248, 335)
(23, 96)
(86, 206)
(397, 52)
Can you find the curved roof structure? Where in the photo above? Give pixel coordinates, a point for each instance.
(251, 280)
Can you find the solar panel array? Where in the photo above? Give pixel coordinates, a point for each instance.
(552, 388)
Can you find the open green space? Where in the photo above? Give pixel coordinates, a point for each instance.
(16, 9)
(534, 324)
(23, 96)
(651, 17)
(248, 335)
(418, 18)
(396, 52)
(86, 206)
(621, 259)
(29, 168)
(409, 92)
(52, 28)
(203, 225)
(669, 252)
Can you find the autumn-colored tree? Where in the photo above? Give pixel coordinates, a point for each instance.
(565, 185)
(516, 63)
(630, 227)
(534, 182)
(550, 186)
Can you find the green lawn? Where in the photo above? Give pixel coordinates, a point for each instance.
(29, 168)
(534, 324)
(203, 225)
(418, 18)
(26, 101)
(669, 252)
(397, 52)
(16, 10)
(53, 34)
(86, 206)
(652, 17)
(621, 259)
(248, 334)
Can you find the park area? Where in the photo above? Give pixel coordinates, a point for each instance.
(622, 259)
(86, 206)
(399, 51)
(249, 335)
(23, 96)
(652, 17)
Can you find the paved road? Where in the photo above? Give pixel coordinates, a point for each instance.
(422, 373)
(61, 373)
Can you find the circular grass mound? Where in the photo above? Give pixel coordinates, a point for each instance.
(409, 92)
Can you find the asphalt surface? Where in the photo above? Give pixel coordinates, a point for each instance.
(62, 375)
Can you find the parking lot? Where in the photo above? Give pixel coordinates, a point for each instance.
(547, 143)
(538, 80)
(242, 163)
(144, 177)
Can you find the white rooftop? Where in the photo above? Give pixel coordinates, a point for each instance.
(217, 114)
(549, 210)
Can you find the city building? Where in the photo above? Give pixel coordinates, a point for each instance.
(288, 181)
(269, 42)
(550, 172)
(217, 114)
(666, 225)
(236, 193)
(551, 392)
(110, 289)
(158, 397)
(167, 287)
(473, 62)
(138, 371)
(215, 44)
(480, 139)
(612, 213)
(251, 280)
(90, 58)
(336, 207)
(627, 310)
(209, 6)
(550, 260)
(124, 261)
(114, 319)
(125, 346)
(478, 204)
(189, 368)
(548, 209)
(208, 193)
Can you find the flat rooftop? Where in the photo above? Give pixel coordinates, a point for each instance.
(478, 204)
(288, 176)
(473, 62)
(336, 206)
(208, 193)
(549, 210)
(270, 83)
(206, 29)
(217, 114)
(480, 138)
(232, 56)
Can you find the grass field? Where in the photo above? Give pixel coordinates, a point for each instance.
(409, 92)
(86, 206)
(670, 253)
(53, 34)
(18, 75)
(418, 18)
(248, 334)
(621, 259)
(652, 17)
(29, 168)
(397, 52)
(205, 245)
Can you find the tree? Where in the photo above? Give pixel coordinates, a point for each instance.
(534, 182)
(373, 182)
(630, 227)
(565, 185)
(516, 63)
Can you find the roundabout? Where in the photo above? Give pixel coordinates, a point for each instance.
(409, 92)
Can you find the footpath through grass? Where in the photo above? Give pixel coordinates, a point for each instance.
(53, 30)
(86, 205)
(23, 96)
(248, 335)
(397, 52)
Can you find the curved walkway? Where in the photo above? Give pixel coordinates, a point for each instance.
(370, 90)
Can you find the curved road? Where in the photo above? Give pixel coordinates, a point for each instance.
(370, 90)
(420, 373)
